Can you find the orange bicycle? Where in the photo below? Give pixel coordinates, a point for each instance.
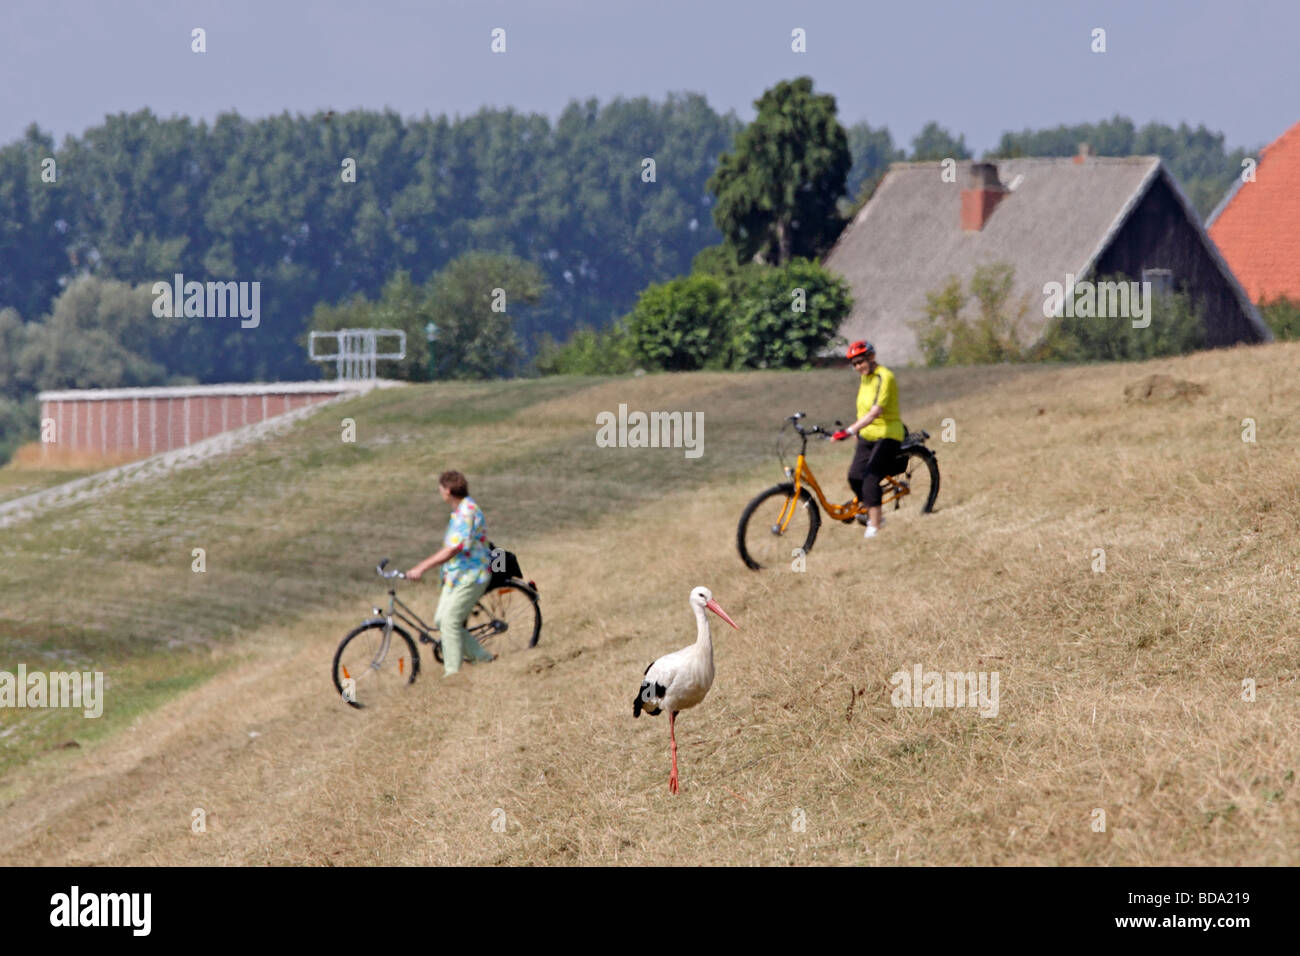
(782, 522)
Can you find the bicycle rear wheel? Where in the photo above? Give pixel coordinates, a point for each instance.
(371, 667)
(773, 528)
(505, 620)
(920, 479)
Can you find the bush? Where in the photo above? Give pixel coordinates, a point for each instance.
(587, 352)
(722, 260)
(682, 324)
(18, 424)
(784, 316)
(723, 316)
(993, 334)
(1177, 327)
(1282, 315)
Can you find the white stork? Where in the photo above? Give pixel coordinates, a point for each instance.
(681, 679)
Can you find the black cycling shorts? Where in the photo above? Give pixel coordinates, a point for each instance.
(872, 461)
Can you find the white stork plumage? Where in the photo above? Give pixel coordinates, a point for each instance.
(681, 679)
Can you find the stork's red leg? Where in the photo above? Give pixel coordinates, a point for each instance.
(672, 735)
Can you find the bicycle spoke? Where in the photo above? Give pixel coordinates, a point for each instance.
(503, 621)
(372, 669)
(776, 529)
(915, 485)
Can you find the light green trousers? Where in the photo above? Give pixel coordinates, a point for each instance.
(454, 606)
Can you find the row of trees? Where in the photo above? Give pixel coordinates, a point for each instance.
(276, 200)
(1199, 158)
(323, 208)
(366, 219)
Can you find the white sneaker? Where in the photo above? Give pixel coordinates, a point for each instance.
(870, 532)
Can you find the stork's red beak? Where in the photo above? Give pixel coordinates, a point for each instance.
(713, 606)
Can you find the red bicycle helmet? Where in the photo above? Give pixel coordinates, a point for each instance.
(861, 347)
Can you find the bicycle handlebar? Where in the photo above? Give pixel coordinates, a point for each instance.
(388, 574)
(821, 430)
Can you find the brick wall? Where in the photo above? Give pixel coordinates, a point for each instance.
(135, 422)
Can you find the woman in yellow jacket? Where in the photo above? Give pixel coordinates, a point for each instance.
(879, 431)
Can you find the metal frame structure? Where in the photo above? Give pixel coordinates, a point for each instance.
(357, 351)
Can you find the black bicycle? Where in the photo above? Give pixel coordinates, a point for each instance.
(379, 657)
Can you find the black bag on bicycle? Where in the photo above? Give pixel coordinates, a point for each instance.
(504, 566)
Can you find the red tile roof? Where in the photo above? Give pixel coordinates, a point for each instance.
(1258, 228)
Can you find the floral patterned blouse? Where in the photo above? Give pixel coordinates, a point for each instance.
(467, 531)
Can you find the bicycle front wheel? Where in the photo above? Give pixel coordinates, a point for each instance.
(374, 664)
(775, 529)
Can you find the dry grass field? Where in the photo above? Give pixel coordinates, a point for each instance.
(1120, 690)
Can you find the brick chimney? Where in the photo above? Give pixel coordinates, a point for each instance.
(981, 196)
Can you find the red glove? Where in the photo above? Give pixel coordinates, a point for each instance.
(841, 435)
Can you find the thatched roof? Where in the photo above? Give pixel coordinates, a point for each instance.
(907, 240)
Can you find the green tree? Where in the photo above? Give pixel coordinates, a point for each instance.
(101, 334)
(401, 305)
(777, 191)
(18, 424)
(471, 302)
(1198, 158)
(32, 225)
(872, 150)
(935, 142)
(14, 336)
(467, 302)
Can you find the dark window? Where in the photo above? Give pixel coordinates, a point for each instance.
(1162, 280)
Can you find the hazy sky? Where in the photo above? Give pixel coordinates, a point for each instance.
(979, 68)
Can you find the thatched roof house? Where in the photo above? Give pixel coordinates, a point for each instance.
(1084, 217)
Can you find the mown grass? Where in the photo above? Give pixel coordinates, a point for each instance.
(1121, 690)
(300, 519)
(15, 482)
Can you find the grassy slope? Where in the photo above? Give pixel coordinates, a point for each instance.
(1120, 690)
(17, 482)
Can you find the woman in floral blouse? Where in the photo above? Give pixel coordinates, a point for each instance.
(466, 571)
